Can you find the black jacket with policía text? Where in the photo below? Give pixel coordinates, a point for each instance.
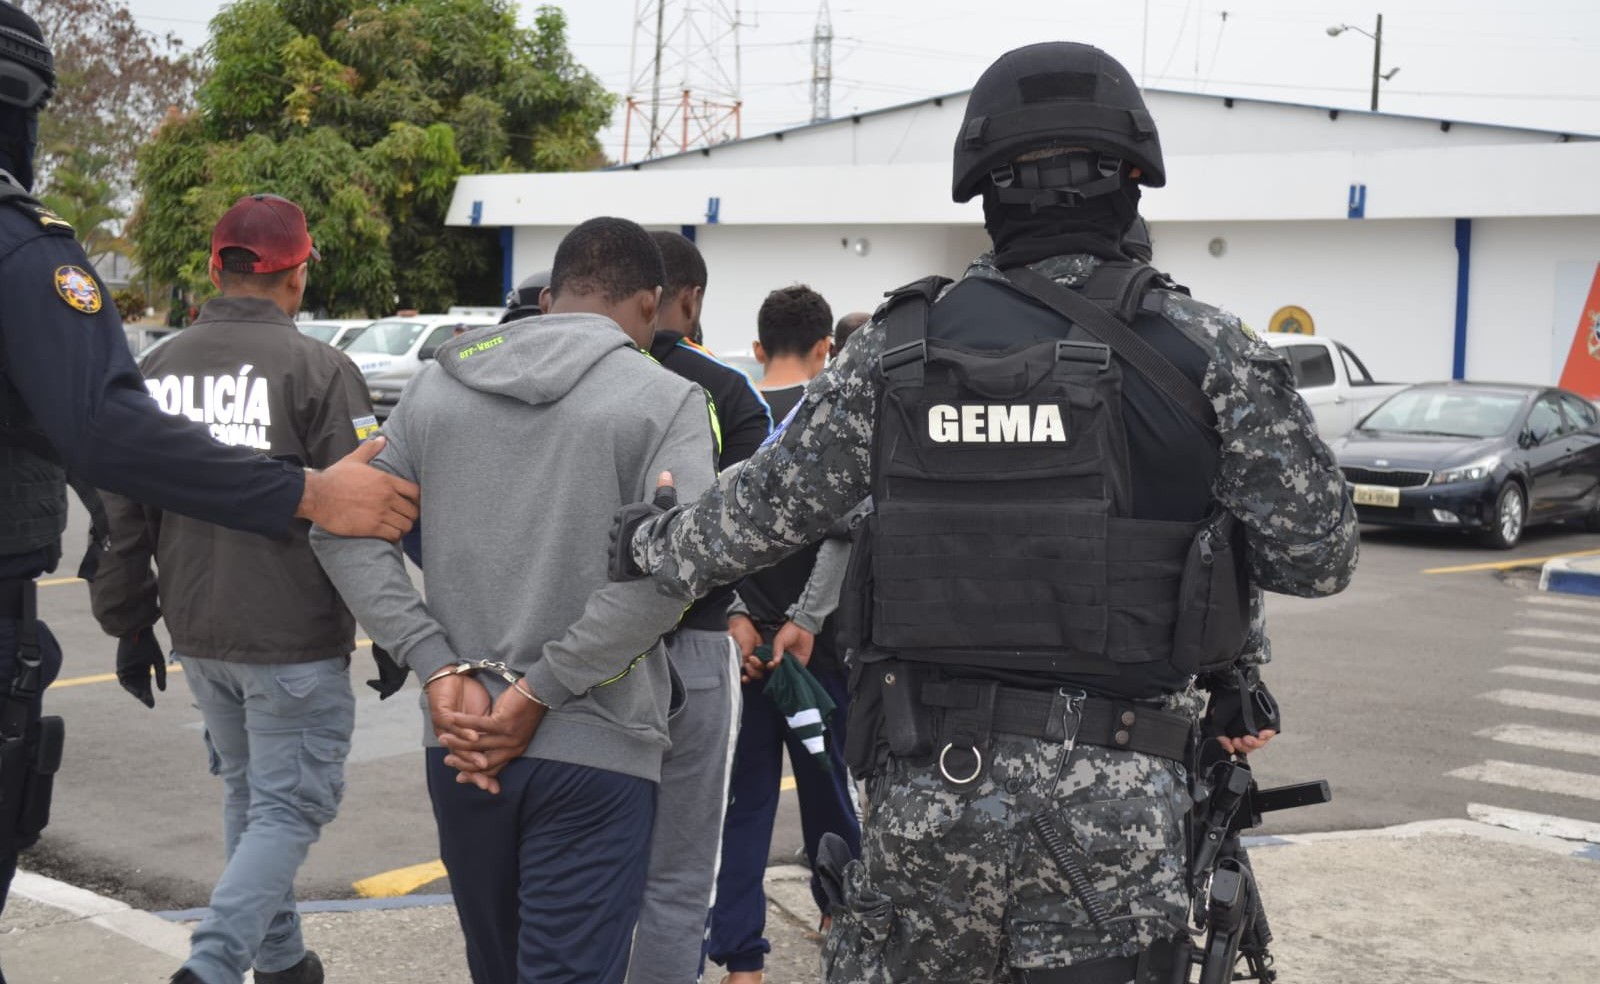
(246, 373)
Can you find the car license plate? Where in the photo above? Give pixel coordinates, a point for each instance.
(1376, 495)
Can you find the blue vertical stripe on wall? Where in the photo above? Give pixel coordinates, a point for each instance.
(1458, 368)
(688, 232)
(507, 239)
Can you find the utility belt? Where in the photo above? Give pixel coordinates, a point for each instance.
(908, 710)
(30, 746)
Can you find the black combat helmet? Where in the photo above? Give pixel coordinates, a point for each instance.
(523, 302)
(1056, 94)
(27, 70)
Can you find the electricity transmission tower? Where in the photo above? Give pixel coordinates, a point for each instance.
(683, 90)
(822, 66)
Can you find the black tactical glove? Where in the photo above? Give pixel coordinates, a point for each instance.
(391, 675)
(627, 521)
(137, 656)
(1240, 705)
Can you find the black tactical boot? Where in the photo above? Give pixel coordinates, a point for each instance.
(185, 976)
(307, 971)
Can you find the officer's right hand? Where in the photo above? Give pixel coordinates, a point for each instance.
(138, 657)
(745, 635)
(352, 498)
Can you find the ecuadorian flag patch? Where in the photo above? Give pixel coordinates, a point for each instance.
(366, 427)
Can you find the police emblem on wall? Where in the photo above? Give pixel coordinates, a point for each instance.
(78, 288)
(1594, 334)
(1292, 320)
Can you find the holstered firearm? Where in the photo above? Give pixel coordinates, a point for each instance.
(30, 748)
(1231, 914)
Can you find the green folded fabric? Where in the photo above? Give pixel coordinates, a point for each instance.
(802, 701)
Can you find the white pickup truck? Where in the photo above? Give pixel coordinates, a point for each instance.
(1333, 381)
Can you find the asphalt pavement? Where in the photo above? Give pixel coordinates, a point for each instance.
(1426, 691)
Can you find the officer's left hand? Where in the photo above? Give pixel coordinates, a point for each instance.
(480, 746)
(1246, 744)
(138, 656)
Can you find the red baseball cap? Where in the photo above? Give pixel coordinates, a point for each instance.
(271, 227)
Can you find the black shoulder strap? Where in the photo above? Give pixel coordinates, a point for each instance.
(1139, 353)
(1120, 286)
(905, 327)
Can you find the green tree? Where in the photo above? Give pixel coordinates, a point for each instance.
(114, 84)
(80, 193)
(366, 112)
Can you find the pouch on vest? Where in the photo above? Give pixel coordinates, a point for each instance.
(1214, 598)
(865, 749)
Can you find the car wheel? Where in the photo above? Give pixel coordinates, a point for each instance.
(1510, 517)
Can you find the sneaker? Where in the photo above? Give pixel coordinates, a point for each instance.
(307, 971)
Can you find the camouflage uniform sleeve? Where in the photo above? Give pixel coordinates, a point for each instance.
(1275, 474)
(814, 469)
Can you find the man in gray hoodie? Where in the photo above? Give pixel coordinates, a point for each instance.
(526, 438)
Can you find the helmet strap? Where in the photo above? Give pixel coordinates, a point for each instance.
(1063, 181)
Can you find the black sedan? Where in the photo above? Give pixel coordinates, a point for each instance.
(1491, 457)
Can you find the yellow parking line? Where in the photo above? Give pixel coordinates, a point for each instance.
(1506, 565)
(171, 668)
(101, 678)
(54, 581)
(404, 881)
(400, 881)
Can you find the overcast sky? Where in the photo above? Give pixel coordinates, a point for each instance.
(1524, 62)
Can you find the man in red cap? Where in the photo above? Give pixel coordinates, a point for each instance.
(264, 638)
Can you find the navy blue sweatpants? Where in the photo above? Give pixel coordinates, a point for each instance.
(547, 875)
(739, 917)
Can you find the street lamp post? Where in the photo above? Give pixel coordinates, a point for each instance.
(1377, 54)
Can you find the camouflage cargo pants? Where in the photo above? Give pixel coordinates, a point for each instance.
(954, 886)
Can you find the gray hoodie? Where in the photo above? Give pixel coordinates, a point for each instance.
(526, 438)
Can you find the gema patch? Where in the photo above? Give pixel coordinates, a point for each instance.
(78, 288)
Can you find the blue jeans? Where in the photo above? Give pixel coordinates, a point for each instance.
(278, 735)
(548, 874)
(739, 918)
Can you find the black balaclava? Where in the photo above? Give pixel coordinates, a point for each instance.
(19, 138)
(1023, 235)
(19, 127)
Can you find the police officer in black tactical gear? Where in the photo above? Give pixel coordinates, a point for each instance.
(1081, 477)
(74, 409)
(523, 301)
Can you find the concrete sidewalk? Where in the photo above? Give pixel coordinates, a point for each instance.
(1445, 902)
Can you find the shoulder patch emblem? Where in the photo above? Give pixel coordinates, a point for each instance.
(78, 288)
(366, 427)
(49, 219)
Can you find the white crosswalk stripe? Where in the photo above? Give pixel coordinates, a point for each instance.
(1560, 615)
(1548, 600)
(1554, 676)
(1534, 777)
(1591, 640)
(1528, 736)
(1559, 655)
(1534, 700)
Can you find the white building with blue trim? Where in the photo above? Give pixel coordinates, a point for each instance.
(1433, 248)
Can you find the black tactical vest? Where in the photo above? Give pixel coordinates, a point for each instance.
(33, 486)
(1003, 539)
(33, 490)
